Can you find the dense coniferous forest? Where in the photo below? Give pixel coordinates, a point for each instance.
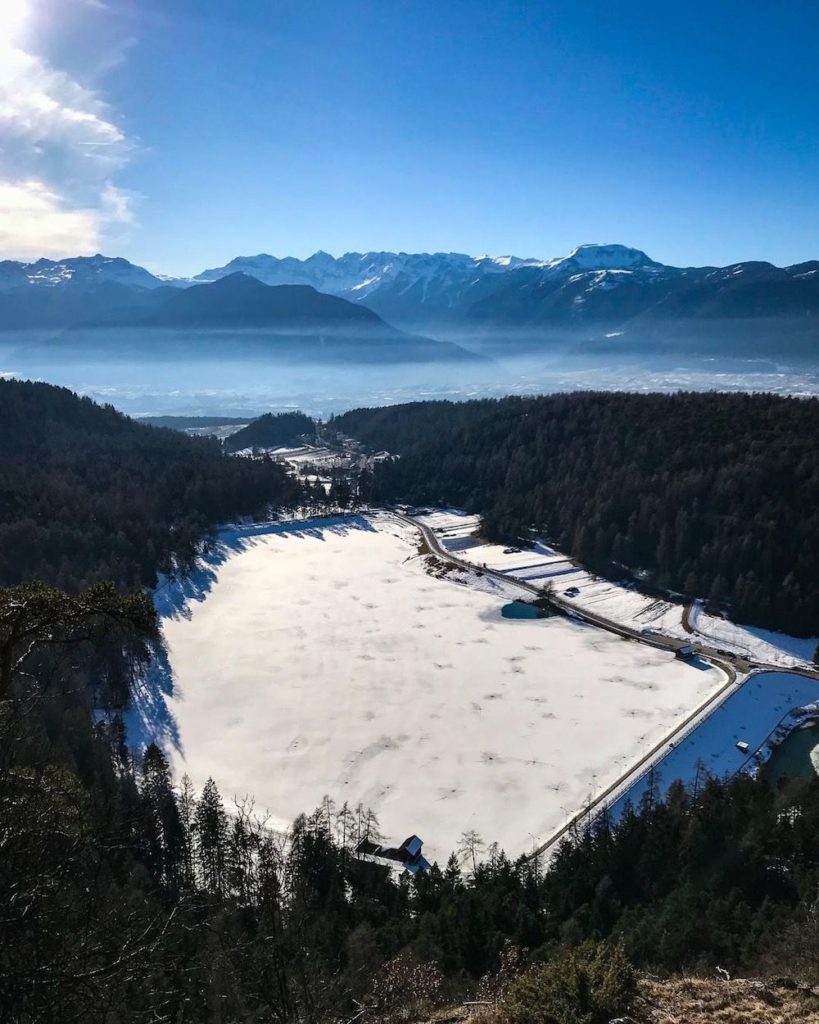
(87, 494)
(193, 422)
(270, 430)
(712, 495)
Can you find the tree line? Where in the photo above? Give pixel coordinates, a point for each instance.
(88, 495)
(706, 495)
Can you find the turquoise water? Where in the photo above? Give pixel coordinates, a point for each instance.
(792, 758)
(521, 610)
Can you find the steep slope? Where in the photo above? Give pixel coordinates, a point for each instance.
(58, 293)
(572, 291)
(90, 494)
(78, 270)
(595, 256)
(417, 288)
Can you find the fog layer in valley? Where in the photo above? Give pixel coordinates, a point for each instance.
(213, 375)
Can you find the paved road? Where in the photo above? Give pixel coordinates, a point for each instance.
(728, 663)
(731, 665)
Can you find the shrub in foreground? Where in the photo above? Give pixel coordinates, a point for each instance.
(589, 985)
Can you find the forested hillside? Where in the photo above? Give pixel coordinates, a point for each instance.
(87, 494)
(710, 495)
(270, 430)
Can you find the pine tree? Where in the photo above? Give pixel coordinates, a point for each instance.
(187, 818)
(211, 828)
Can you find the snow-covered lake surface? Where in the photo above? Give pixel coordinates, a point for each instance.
(321, 658)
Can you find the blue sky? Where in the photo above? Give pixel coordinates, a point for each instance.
(180, 134)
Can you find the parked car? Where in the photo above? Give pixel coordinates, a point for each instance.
(571, 592)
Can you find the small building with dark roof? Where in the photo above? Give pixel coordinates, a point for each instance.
(408, 855)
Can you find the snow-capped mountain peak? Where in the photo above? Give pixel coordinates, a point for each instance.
(596, 256)
(594, 283)
(83, 270)
(505, 262)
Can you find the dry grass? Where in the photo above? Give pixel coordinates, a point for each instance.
(707, 1001)
(691, 1001)
(437, 567)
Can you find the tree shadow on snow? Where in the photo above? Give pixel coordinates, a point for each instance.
(149, 717)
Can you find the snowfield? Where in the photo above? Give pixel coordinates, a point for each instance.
(758, 644)
(321, 658)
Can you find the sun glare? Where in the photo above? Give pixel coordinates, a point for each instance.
(13, 15)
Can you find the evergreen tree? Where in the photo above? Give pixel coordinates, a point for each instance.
(164, 833)
(210, 839)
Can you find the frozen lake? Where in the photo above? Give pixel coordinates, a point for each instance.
(320, 658)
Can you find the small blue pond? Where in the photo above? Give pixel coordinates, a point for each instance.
(521, 610)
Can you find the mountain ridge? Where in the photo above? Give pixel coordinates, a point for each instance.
(605, 289)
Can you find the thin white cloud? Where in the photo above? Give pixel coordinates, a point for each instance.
(60, 147)
(44, 113)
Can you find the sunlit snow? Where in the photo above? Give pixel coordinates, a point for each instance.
(322, 658)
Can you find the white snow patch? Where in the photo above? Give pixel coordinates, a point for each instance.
(760, 645)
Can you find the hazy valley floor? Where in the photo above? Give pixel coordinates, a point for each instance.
(249, 387)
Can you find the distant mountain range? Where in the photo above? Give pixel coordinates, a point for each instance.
(234, 316)
(605, 291)
(594, 284)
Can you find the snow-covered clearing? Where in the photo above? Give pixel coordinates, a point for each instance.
(541, 564)
(761, 645)
(320, 657)
(296, 456)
